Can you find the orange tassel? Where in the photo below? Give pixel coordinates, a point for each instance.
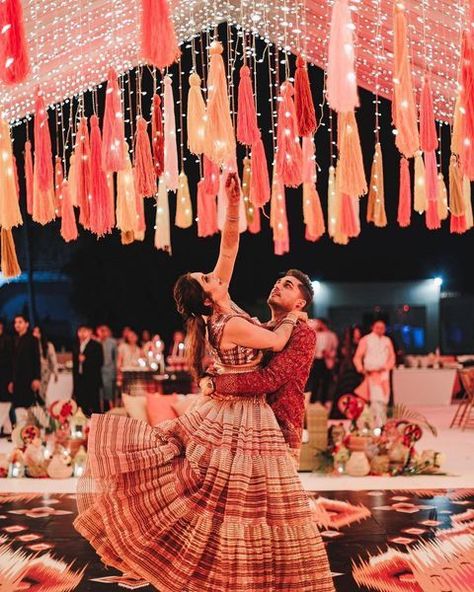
(139, 232)
(211, 177)
(467, 202)
(420, 184)
(278, 217)
(158, 138)
(289, 155)
(14, 60)
(220, 138)
(247, 127)
(260, 182)
(305, 114)
(126, 196)
(350, 225)
(113, 131)
(403, 102)
(196, 118)
(58, 181)
(429, 143)
(144, 170)
(9, 261)
(351, 165)
(102, 202)
(404, 199)
(10, 214)
(158, 37)
(456, 200)
(431, 178)
(83, 172)
(312, 213)
(339, 237)
(184, 208)
(43, 183)
(29, 177)
(206, 211)
(376, 202)
(68, 219)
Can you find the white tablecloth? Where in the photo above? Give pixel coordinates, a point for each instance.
(61, 390)
(423, 386)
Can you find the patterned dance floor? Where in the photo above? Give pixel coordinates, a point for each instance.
(386, 541)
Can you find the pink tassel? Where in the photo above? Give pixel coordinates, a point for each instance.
(309, 160)
(349, 224)
(458, 224)
(83, 172)
(341, 77)
(171, 171)
(29, 177)
(429, 143)
(14, 60)
(404, 200)
(211, 177)
(144, 170)
(43, 152)
(206, 212)
(158, 137)
(158, 37)
(100, 208)
(113, 131)
(68, 219)
(247, 127)
(289, 154)
(467, 78)
(278, 216)
(431, 176)
(304, 105)
(259, 181)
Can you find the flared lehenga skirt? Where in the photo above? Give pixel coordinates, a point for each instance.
(208, 502)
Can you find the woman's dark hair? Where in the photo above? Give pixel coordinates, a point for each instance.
(190, 301)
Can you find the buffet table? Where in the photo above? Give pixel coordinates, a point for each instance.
(425, 387)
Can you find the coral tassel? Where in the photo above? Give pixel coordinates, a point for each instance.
(304, 105)
(260, 181)
(101, 210)
(467, 85)
(278, 217)
(350, 226)
(247, 127)
(184, 208)
(144, 170)
(206, 211)
(83, 172)
(420, 184)
(58, 181)
(158, 37)
(404, 199)
(429, 143)
(158, 138)
(351, 165)
(29, 178)
(68, 219)
(196, 118)
(376, 202)
(10, 214)
(431, 177)
(289, 155)
(312, 213)
(113, 132)
(171, 171)
(43, 181)
(9, 261)
(14, 60)
(211, 177)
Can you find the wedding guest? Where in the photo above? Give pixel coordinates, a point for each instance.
(322, 372)
(348, 378)
(109, 368)
(26, 369)
(48, 359)
(6, 360)
(145, 337)
(88, 359)
(129, 354)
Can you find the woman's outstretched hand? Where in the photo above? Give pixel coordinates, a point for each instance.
(232, 187)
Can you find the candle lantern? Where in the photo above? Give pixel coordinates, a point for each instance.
(77, 425)
(79, 463)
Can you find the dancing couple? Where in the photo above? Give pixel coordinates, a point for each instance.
(211, 501)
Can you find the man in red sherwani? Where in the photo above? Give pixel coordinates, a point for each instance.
(285, 376)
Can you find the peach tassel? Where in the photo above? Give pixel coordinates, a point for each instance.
(196, 116)
(457, 205)
(429, 143)
(158, 37)
(289, 156)
(144, 169)
(171, 172)
(351, 165)
(184, 208)
(403, 102)
(442, 198)
(206, 211)
(10, 215)
(68, 219)
(467, 202)
(9, 261)
(102, 218)
(404, 199)
(43, 183)
(220, 142)
(376, 202)
(332, 211)
(247, 127)
(341, 77)
(278, 217)
(126, 196)
(162, 222)
(29, 178)
(113, 131)
(157, 135)
(83, 172)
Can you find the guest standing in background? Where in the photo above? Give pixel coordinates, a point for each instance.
(48, 359)
(6, 360)
(348, 378)
(26, 374)
(88, 360)
(145, 337)
(109, 369)
(322, 372)
(129, 354)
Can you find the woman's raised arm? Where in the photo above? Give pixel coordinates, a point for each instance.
(230, 234)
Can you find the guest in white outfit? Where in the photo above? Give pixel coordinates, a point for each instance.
(49, 361)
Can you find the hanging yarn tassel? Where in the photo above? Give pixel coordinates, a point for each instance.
(341, 77)
(211, 176)
(431, 177)
(332, 214)
(457, 205)
(429, 143)
(10, 215)
(312, 213)
(376, 202)
(420, 184)
(171, 171)
(206, 211)
(184, 208)
(458, 126)
(467, 202)
(260, 181)
(442, 198)
(196, 116)
(289, 157)
(245, 186)
(247, 127)
(278, 217)
(340, 238)
(83, 173)
(58, 182)
(158, 137)
(14, 60)
(467, 85)
(144, 169)
(403, 102)
(350, 226)
(305, 113)
(162, 223)
(102, 202)
(219, 138)
(113, 131)
(68, 219)
(351, 165)
(309, 160)
(404, 199)
(43, 181)
(159, 46)
(126, 196)
(140, 226)
(9, 261)
(29, 177)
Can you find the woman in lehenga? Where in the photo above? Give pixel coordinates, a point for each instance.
(210, 501)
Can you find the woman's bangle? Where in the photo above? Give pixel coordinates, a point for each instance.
(288, 322)
(232, 219)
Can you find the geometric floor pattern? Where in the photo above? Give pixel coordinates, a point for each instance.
(383, 541)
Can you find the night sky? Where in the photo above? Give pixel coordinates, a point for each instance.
(132, 284)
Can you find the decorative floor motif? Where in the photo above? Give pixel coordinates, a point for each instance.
(381, 541)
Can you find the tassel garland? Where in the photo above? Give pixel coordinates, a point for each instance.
(351, 165)
(68, 219)
(102, 201)
(206, 211)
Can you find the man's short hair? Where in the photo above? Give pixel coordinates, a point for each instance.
(85, 326)
(305, 284)
(21, 316)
